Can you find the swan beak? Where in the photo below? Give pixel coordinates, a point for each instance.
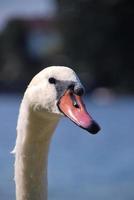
(72, 106)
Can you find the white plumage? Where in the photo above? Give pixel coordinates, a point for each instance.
(38, 117)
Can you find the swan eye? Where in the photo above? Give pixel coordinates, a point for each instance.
(52, 80)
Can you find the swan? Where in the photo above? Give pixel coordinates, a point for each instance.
(54, 92)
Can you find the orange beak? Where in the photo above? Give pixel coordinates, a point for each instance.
(72, 106)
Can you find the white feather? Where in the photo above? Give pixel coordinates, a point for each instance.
(38, 117)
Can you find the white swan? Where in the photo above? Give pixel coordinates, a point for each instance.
(52, 93)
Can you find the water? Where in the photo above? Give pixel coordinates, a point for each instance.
(81, 166)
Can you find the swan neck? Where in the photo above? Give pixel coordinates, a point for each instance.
(33, 138)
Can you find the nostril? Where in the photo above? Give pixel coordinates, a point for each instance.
(79, 91)
(75, 104)
(74, 101)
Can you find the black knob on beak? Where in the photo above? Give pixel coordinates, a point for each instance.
(79, 91)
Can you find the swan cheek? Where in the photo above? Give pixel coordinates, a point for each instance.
(73, 107)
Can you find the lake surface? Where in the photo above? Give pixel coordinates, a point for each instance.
(81, 166)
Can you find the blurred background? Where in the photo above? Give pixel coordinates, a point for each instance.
(96, 39)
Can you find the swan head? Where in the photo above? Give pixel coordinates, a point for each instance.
(57, 90)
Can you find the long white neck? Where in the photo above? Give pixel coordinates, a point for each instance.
(34, 133)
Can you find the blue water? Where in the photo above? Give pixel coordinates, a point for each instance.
(81, 166)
